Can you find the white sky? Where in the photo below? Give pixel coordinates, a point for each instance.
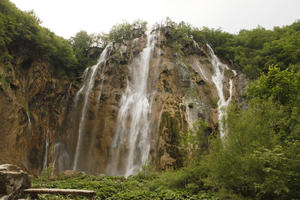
(67, 17)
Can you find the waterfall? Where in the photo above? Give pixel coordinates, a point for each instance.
(201, 70)
(218, 79)
(61, 159)
(102, 78)
(131, 143)
(45, 163)
(87, 87)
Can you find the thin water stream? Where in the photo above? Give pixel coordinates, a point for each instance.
(218, 79)
(86, 89)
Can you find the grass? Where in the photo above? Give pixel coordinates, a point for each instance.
(137, 187)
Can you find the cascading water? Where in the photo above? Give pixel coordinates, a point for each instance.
(131, 143)
(218, 79)
(87, 87)
(45, 163)
(102, 78)
(61, 159)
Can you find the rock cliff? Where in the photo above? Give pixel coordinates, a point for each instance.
(37, 99)
(33, 99)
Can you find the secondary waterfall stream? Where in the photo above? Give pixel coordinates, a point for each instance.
(86, 89)
(45, 163)
(131, 143)
(218, 79)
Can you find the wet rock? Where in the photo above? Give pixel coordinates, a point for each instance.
(12, 181)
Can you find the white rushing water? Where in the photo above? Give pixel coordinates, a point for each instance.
(200, 67)
(45, 163)
(87, 87)
(61, 159)
(131, 143)
(218, 79)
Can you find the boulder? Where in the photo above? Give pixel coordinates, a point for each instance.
(13, 181)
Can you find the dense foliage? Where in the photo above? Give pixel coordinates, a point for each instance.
(21, 34)
(259, 157)
(140, 187)
(86, 48)
(126, 31)
(251, 51)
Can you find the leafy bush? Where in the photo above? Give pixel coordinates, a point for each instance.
(251, 51)
(126, 31)
(118, 188)
(21, 34)
(81, 44)
(259, 155)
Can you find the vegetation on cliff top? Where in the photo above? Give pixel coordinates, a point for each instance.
(251, 51)
(21, 35)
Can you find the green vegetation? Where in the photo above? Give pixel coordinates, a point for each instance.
(259, 156)
(170, 132)
(20, 34)
(133, 188)
(82, 44)
(255, 50)
(251, 51)
(126, 31)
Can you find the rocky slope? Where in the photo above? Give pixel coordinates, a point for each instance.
(33, 101)
(36, 99)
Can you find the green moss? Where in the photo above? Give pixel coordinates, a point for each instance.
(207, 91)
(214, 102)
(170, 132)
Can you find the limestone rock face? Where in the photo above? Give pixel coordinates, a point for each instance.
(33, 100)
(183, 90)
(38, 99)
(12, 181)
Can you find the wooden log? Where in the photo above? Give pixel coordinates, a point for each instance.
(33, 192)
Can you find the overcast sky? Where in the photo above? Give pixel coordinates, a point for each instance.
(67, 17)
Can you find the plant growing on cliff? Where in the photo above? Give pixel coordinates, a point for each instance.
(196, 140)
(251, 51)
(126, 31)
(82, 43)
